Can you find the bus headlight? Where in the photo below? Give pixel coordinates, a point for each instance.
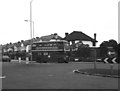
(49, 56)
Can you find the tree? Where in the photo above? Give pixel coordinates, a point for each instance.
(83, 52)
(113, 43)
(104, 47)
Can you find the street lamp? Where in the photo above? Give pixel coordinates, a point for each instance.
(31, 22)
(32, 28)
(31, 17)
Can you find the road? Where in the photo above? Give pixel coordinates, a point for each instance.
(53, 76)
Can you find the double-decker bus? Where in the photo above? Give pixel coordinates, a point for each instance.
(50, 51)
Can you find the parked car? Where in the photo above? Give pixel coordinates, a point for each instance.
(6, 58)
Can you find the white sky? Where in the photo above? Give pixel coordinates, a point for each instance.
(58, 16)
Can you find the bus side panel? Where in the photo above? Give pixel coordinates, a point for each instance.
(44, 57)
(34, 56)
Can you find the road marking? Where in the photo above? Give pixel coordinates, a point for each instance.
(2, 76)
(50, 75)
(75, 71)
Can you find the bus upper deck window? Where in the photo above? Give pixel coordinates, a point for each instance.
(33, 45)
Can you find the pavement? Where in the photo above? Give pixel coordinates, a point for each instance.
(54, 76)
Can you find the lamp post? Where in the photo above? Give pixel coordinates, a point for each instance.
(31, 18)
(32, 22)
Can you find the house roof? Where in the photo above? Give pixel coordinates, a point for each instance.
(78, 35)
(49, 37)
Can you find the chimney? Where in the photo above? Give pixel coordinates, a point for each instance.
(55, 36)
(94, 42)
(66, 34)
(95, 36)
(37, 37)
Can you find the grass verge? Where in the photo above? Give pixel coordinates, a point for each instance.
(101, 72)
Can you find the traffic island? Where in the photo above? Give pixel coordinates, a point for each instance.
(99, 72)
